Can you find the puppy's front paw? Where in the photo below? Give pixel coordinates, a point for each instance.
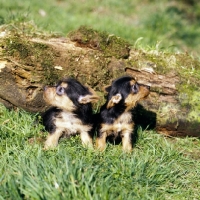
(51, 142)
(47, 147)
(86, 140)
(100, 145)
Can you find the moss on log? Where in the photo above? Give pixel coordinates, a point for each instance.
(30, 61)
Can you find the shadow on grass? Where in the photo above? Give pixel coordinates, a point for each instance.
(143, 118)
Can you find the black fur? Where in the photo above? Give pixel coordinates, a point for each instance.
(48, 119)
(115, 120)
(72, 110)
(74, 91)
(121, 86)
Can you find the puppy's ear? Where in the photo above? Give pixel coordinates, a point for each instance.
(114, 100)
(89, 98)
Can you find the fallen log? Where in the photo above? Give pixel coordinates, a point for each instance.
(28, 62)
(172, 116)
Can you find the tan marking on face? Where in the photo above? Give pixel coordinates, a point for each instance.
(60, 101)
(132, 98)
(132, 82)
(63, 84)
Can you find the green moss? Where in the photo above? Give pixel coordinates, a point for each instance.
(160, 62)
(16, 47)
(189, 92)
(167, 113)
(190, 100)
(109, 45)
(35, 56)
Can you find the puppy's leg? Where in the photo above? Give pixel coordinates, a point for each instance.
(86, 139)
(127, 141)
(52, 139)
(101, 141)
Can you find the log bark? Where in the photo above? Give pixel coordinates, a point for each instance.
(28, 62)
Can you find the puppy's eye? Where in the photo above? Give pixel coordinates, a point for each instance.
(135, 88)
(60, 90)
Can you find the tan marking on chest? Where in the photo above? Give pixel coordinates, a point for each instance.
(121, 124)
(71, 124)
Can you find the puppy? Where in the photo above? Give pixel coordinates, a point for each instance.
(115, 117)
(71, 111)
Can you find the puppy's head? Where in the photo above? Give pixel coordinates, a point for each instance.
(69, 94)
(126, 92)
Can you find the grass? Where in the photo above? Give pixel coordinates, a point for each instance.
(158, 167)
(173, 24)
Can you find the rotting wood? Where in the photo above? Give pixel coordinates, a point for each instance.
(28, 63)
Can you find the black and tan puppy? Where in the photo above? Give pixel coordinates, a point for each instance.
(71, 111)
(115, 117)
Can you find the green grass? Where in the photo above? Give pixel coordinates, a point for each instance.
(158, 167)
(173, 24)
